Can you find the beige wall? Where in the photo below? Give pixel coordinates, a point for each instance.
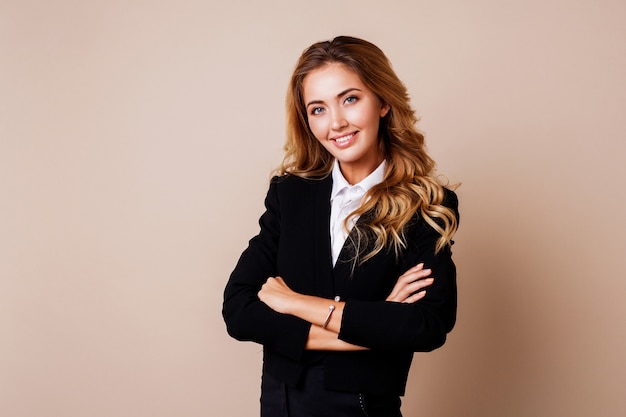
(136, 140)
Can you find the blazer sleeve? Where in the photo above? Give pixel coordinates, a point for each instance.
(420, 326)
(247, 317)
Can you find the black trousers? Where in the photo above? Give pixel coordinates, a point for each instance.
(311, 399)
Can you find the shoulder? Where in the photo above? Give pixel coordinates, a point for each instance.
(448, 207)
(292, 183)
(292, 192)
(450, 200)
(297, 179)
(449, 203)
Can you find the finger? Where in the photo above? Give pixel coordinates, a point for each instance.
(422, 283)
(408, 290)
(417, 267)
(418, 286)
(409, 278)
(412, 275)
(409, 282)
(422, 273)
(415, 297)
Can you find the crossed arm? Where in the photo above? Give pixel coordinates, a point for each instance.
(409, 288)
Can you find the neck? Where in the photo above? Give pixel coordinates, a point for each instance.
(354, 174)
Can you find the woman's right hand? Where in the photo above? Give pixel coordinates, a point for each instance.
(410, 286)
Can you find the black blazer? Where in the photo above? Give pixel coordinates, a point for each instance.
(294, 243)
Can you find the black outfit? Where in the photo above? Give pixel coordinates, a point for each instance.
(294, 243)
(311, 399)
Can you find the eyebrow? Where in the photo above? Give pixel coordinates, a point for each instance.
(343, 93)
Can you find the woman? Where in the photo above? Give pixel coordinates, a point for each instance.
(351, 271)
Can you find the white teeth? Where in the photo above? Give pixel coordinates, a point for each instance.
(344, 138)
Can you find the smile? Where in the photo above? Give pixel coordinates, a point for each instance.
(345, 139)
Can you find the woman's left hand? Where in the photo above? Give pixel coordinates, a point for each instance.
(410, 287)
(277, 295)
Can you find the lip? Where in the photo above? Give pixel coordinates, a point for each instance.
(345, 140)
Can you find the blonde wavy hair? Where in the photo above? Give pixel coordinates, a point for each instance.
(410, 184)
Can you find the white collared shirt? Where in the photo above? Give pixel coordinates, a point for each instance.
(344, 199)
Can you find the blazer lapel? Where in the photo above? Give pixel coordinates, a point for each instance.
(323, 260)
(346, 266)
(331, 280)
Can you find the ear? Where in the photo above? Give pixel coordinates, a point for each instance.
(384, 110)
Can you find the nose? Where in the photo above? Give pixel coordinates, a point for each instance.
(338, 120)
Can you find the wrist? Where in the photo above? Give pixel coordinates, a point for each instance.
(329, 315)
(294, 304)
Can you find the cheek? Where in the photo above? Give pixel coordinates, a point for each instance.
(369, 118)
(317, 128)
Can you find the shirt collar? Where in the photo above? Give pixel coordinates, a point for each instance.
(340, 183)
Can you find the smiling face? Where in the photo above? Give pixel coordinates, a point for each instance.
(344, 116)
